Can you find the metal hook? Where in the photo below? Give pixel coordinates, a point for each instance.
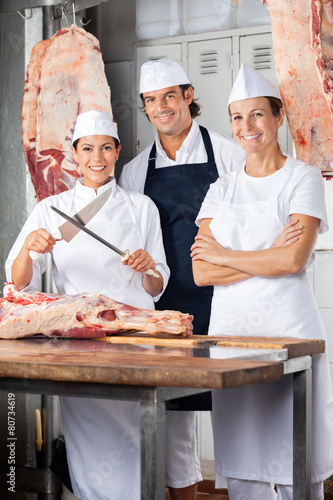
(23, 16)
(65, 13)
(83, 23)
(74, 12)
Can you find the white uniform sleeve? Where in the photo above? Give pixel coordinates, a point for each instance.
(308, 196)
(133, 175)
(213, 199)
(34, 221)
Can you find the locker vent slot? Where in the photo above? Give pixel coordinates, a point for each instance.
(263, 57)
(209, 62)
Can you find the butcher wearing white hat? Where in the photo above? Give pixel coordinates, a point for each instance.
(94, 122)
(240, 220)
(175, 172)
(102, 437)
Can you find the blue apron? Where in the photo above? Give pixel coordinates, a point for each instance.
(178, 192)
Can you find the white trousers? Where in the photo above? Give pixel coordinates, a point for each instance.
(240, 489)
(103, 448)
(182, 454)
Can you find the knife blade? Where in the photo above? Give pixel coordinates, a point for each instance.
(67, 231)
(124, 255)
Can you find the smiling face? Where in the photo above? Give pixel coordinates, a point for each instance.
(168, 110)
(253, 124)
(96, 155)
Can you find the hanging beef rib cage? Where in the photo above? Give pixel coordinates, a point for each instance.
(303, 49)
(65, 77)
(81, 316)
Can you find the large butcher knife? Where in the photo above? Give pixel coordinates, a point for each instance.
(79, 226)
(67, 231)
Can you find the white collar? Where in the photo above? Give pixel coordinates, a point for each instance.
(82, 190)
(188, 144)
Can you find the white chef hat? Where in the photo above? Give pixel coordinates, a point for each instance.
(94, 123)
(160, 74)
(250, 83)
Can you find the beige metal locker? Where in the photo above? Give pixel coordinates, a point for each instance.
(209, 70)
(212, 61)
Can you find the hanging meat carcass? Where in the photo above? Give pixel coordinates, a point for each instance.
(65, 77)
(303, 49)
(81, 316)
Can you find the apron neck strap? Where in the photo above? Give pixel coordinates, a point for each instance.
(208, 144)
(152, 154)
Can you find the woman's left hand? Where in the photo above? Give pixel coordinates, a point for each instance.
(140, 261)
(208, 249)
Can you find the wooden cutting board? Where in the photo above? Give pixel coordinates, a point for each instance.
(160, 339)
(296, 347)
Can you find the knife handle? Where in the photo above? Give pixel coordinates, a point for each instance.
(125, 256)
(34, 255)
(56, 235)
(150, 271)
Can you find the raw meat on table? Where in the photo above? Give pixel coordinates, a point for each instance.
(81, 316)
(65, 77)
(303, 49)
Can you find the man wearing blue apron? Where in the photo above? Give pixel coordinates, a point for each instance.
(176, 172)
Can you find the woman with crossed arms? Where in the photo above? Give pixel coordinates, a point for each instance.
(263, 290)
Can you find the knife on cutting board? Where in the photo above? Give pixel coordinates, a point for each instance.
(67, 231)
(124, 255)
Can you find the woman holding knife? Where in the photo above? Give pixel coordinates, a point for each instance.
(102, 437)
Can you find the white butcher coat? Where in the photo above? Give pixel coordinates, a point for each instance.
(103, 437)
(253, 425)
(128, 220)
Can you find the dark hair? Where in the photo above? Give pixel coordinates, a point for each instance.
(116, 142)
(194, 107)
(276, 105)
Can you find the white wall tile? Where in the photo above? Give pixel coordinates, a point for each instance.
(325, 241)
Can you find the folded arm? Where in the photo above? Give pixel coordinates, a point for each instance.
(206, 273)
(215, 265)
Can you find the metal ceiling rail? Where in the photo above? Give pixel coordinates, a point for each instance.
(7, 6)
